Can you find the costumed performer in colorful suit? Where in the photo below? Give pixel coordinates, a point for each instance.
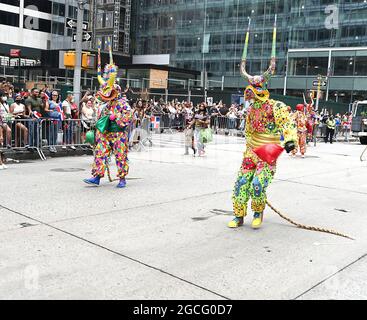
(300, 120)
(112, 126)
(269, 130)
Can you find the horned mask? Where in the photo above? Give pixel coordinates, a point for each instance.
(109, 90)
(257, 90)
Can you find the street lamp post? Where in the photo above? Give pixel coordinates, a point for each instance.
(203, 49)
(78, 52)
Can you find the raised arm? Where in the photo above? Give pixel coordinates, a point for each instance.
(285, 123)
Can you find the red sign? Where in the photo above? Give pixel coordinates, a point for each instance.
(15, 53)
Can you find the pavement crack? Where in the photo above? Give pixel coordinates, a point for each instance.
(329, 277)
(117, 253)
(320, 186)
(143, 206)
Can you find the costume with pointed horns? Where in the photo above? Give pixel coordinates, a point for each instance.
(269, 130)
(112, 126)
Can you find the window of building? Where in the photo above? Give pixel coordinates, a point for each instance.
(58, 28)
(9, 19)
(342, 96)
(317, 65)
(361, 63)
(11, 2)
(73, 12)
(58, 9)
(343, 66)
(298, 66)
(39, 5)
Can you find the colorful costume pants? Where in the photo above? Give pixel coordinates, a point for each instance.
(106, 144)
(253, 179)
(302, 142)
(310, 129)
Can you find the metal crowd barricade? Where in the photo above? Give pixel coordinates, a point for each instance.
(22, 134)
(170, 122)
(140, 133)
(67, 133)
(166, 121)
(52, 134)
(228, 126)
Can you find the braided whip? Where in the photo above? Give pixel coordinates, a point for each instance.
(298, 225)
(301, 226)
(364, 151)
(109, 173)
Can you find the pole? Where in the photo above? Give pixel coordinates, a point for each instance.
(327, 77)
(286, 76)
(19, 72)
(318, 91)
(78, 52)
(203, 49)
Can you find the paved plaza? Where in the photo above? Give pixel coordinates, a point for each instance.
(165, 236)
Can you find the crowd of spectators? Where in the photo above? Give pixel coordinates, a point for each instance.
(28, 106)
(175, 114)
(333, 127)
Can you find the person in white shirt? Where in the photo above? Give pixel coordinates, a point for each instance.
(88, 115)
(5, 129)
(68, 124)
(21, 131)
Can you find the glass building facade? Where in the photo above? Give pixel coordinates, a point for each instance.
(209, 35)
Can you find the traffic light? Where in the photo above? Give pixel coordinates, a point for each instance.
(88, 60)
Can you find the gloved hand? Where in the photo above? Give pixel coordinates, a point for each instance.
(290, 146)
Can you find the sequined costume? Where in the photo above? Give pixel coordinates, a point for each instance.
(268, 124)
(311, 119)
(300, 120)
(112, 126)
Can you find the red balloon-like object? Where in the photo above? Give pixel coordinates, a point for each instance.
(269, 153)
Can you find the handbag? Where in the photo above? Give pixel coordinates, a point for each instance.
(60, 138)
(103, 124)
(206, 135)
(9, 118)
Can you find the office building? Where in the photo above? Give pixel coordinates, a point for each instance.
(314, 37)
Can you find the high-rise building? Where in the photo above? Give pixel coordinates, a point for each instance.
(35, 25)
(111, 18)
(314, 37)
(40, 29)
(39, 25)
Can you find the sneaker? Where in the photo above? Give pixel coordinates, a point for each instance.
(72, 148)
(236, 223)
(122, 184)
(64, 147)
(258, 220)
(2, 167)
(94, 181)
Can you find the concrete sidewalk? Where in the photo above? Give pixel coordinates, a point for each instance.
(165, 236)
